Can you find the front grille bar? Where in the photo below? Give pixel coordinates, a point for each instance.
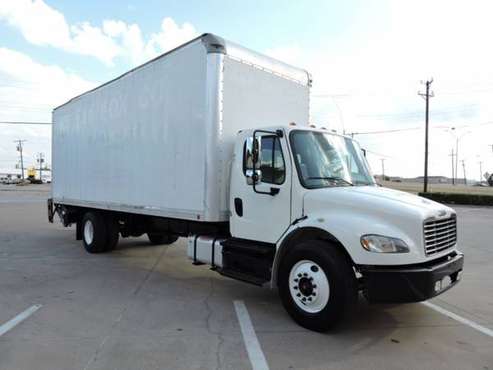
(439, 235)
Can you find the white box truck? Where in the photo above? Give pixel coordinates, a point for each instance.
(211, 141)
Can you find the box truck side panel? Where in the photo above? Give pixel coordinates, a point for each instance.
(137, 144)
(256, 97)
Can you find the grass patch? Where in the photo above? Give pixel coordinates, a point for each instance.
(460, 198)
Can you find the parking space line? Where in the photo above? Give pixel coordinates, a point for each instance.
(460, 319)
(9, 325)
(255, 354)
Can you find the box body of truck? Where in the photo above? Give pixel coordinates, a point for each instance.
(159, 139)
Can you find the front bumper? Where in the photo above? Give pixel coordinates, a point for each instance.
(411, 283)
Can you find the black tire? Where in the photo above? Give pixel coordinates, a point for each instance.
(341, 280)
(99, 241)
(113, 232)
(157, 239)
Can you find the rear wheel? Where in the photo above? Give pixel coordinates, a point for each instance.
(94, 232)
(156, 239)
(317, 285)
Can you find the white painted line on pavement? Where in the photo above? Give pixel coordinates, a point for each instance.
(9, 325)
(255, 354)
(460, 319)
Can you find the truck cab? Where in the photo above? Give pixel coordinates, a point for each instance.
(310, 195)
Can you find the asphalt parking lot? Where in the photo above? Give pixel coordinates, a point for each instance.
(148, 307)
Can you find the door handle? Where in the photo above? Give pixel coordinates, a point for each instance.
(239, 207)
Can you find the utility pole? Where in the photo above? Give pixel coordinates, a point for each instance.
(427, 95)
(464, 168)
(453, 164)
(383, 168)
(480, 172)
(40, 160)
(19, 149)
(457, 158)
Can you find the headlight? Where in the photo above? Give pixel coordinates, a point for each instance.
(383, 244)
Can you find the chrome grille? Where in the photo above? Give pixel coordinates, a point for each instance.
(440, 234)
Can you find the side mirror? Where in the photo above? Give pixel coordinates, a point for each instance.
(256, 149)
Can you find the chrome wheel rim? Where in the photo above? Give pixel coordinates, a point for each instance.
(88, 232)
(309, 286)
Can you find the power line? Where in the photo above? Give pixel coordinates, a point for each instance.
(416, 114)
(385, 131)
(24, 123)
(418, 128)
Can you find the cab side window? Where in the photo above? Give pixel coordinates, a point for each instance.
(271, 160)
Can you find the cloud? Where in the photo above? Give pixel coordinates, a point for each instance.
(129, 37)
(29, 92)
(169, 37)
(43, 25)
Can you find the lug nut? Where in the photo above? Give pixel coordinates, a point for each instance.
(295, 280)
(311, 279)
(299, 275)
(314, 294)
(295, 288)
(303, 299)
(305, 274)
(298, 295)
(310, 299)
(314, 286)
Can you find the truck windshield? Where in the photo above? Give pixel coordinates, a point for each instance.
(323, 160)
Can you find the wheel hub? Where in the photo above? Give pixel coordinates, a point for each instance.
(88, 232)
(309, 286)
(305, 286)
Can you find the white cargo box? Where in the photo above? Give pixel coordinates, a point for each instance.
(158, 140)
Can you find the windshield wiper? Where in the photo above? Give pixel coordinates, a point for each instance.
(333, 178)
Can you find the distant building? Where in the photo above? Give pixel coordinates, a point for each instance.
(433, 179)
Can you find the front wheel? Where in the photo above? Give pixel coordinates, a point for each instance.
(317, 285)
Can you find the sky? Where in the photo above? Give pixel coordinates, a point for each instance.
(367, 60)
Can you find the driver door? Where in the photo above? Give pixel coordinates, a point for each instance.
(255, 213)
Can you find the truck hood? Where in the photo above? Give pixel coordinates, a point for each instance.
(374, 199)
(349, 212)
